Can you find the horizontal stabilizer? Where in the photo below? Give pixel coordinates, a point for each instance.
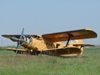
(83, 45)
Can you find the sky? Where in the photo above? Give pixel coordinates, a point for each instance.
(48, 16)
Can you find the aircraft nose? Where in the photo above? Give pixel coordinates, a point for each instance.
(26, 45)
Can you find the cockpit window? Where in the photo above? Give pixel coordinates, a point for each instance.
(37, 37)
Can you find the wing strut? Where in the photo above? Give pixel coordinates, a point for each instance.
(81, 47)
(69, 36)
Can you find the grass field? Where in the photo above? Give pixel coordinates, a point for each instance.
(13, 64)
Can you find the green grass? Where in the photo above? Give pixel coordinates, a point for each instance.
(13, 64)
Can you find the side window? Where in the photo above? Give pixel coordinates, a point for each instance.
(57, 45)
(49, 44)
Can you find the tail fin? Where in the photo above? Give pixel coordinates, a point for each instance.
(78, 44)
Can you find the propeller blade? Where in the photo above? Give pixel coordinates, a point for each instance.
(22, 34)
(19, 40)
(17, 47)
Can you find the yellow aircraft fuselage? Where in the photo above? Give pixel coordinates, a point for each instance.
(40, 45)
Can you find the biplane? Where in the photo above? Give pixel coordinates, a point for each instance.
(53, 43)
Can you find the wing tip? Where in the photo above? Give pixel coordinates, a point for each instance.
(94, 33)
(88, 29)
(3, 35)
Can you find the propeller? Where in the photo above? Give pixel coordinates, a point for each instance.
(20, 40)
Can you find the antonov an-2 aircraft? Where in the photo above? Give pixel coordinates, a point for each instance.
(52, 44)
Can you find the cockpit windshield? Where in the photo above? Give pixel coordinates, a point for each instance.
(37, 37)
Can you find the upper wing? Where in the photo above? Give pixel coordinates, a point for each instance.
(75, 34)
(12, 37)
(17, 36)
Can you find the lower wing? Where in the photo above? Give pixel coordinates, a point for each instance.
(14, 49)
(62, 51)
